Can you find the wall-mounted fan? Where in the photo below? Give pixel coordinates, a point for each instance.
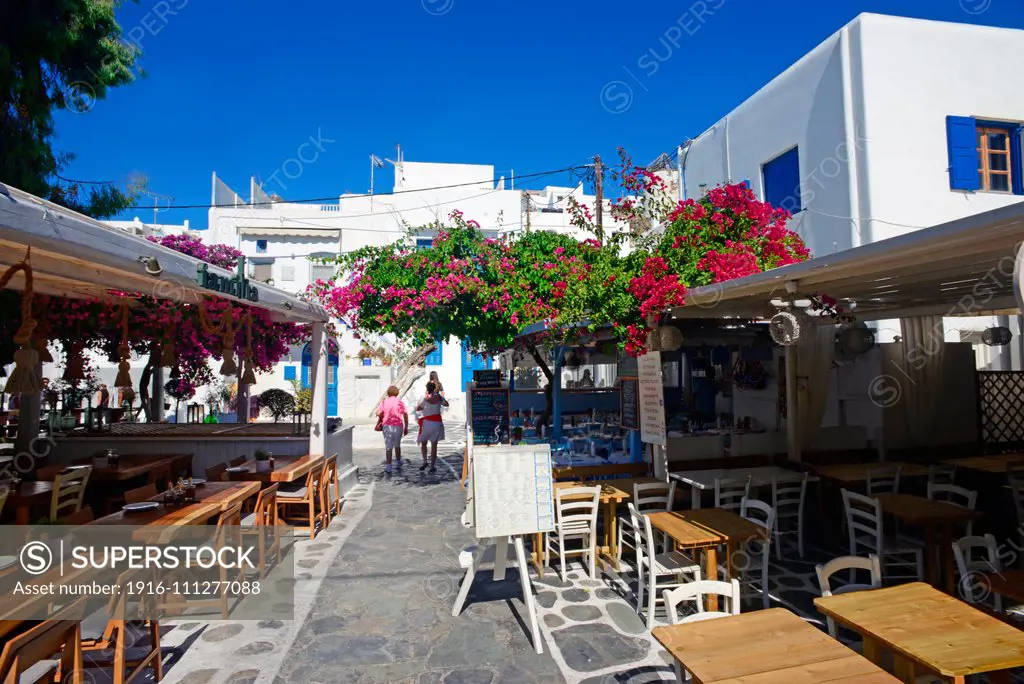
(788, 328)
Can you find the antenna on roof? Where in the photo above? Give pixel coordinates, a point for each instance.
(157, 197)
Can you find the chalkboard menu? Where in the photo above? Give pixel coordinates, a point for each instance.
(489, 415)
(487, 378)
(628, 393)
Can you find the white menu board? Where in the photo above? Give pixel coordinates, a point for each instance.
(512, 490)
(652, 399)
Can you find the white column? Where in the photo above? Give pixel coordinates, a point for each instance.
(318, 378)
(792, 407)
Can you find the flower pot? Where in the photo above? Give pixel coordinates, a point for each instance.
(263, 466)
(367, 362)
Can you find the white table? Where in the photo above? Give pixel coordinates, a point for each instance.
(699, 480)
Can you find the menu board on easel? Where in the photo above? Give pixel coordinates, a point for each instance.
(652, 399)
(629, 403)
(512, 490)
(489, 415)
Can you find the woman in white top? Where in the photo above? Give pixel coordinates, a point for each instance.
(431, 427)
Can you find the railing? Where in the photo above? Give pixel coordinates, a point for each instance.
(1001, 409)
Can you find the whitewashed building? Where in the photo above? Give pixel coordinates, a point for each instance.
(279, 238)
(888, 126)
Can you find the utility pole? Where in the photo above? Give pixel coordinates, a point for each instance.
(599, 198)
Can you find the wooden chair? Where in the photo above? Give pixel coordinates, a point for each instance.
(140, 494)
(217, 473)
(970, 564)
(332, 486)
(762, 514)
(958, 496)
(864, 525)
(884, 478)
(60, 634)
(260, 522)
(941, 473)
(729, 493)
(851, 563)
(180, 467)
(695, 592)
(647, 497)
(575, 519)
(111, 650)
(237, 461)
(656, 570)
(788, 498)
(305, 496)
(69, 491)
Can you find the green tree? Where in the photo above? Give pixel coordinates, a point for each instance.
(54, 55)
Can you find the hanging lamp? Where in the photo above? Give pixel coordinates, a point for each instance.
(26, 378)
(248, 374)
(124, 377)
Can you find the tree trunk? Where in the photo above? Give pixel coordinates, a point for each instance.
(144, 382)
(548, 400)
(409, 372)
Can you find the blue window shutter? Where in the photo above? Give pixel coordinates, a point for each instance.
(962, 141)
(780, 178)
(1016, 161)
(289, 372)
(436, 357)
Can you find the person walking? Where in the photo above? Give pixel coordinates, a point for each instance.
(393, 419)
(431, 426)
(437, 383)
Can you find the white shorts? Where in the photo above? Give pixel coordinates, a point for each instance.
(431, 431)
(393, 436)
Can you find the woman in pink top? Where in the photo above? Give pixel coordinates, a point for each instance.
(395, 424)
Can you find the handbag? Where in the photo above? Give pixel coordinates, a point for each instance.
(379, 427)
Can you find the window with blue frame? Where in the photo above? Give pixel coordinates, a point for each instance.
(781, 180)
(261, 246)
(424, 243)
(985, 156)
(436, 358)
(289, 372)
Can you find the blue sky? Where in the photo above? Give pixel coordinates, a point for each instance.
(236, 86)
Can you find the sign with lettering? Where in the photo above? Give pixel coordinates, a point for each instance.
(629, 393)
(236, 286)
(489, 414)
(513, 491)
(652, 399)
(487, 378)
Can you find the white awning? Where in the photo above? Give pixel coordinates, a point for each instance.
(326, 233)
(76, 256)
(961, 268)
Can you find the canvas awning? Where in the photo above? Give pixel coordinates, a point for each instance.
(76, 256)
(326, 233)
(965, 267)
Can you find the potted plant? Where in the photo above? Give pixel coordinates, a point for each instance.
(262, 461)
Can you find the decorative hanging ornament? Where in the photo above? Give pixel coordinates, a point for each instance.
(124, 378)
(997, 337)
(248, 374)
(26, 378)
(74, 363)
(229, 367)
(670, 338)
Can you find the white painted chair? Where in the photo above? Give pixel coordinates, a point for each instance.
(729, 492)
(976, 555)
(656, 571)
(575, 519)
(69, 491)
(958, 496)
(648, 497)
(788, 498)
(884, 478)
(852, 563)
(757, 552)
(695, 592)
(864, 525)
(941, 473)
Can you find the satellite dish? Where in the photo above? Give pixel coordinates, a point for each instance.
(787, 328)
(997, 337)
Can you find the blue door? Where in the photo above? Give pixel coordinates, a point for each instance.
(470, 363)
(332, 374)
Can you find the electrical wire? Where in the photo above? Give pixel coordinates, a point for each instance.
(334, 198)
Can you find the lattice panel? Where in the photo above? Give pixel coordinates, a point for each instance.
(1001, 405)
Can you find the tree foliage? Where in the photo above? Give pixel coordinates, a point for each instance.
(58, 55)
(277, 402)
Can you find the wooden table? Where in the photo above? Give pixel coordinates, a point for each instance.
(1007, 583)
(928, 631)
(993, 463)
(26, 495)
(938, 519)
(771, 646)
(852, 473)
(692, 537)
(286, 469)
(211, 499)
(732, 527)
(131, 466)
